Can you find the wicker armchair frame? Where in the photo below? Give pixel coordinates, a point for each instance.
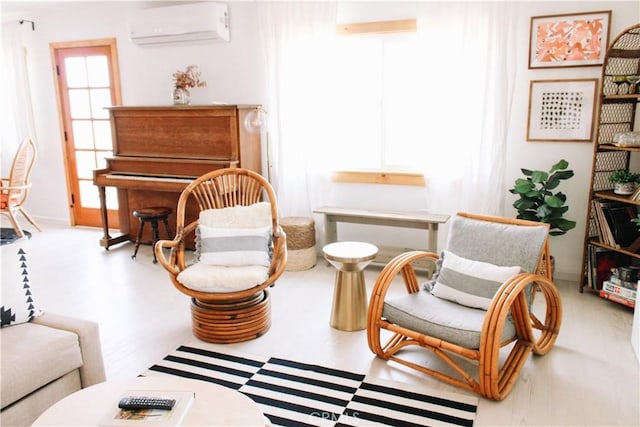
(14, 189)
(493, 380)
(231, 316)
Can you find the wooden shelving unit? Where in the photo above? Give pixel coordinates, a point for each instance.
(617, 113)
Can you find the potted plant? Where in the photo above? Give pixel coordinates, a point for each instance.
(538, 202)
(624, 181)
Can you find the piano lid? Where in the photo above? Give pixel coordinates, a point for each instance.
(190, 132)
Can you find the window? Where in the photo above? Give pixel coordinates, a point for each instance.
(379, 91)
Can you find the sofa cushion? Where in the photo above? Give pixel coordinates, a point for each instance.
(17, 304)
(429, 315)
(25, 411)
(33, 356)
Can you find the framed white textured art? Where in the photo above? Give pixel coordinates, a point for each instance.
(561, 110)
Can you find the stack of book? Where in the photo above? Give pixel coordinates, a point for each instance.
(620, 291)
(600, 265)
(614, 225)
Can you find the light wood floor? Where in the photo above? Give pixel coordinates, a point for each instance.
(589, 378)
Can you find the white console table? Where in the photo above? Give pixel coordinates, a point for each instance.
(405, 219)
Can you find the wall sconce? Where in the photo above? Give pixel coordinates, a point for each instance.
(256, 120)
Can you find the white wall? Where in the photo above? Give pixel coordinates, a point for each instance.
(542, 155)
(234, 73)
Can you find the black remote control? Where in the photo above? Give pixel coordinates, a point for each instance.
(143, 402)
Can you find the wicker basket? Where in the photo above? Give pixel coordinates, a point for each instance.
(301, 242)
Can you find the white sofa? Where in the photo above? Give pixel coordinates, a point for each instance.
(45, 360)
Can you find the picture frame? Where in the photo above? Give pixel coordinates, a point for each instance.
(561, 110)
(569, 40)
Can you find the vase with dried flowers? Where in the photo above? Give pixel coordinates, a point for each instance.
(183, 81)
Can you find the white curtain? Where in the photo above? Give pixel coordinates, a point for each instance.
(298, 38)
(17, 111)
(465, 81)
(469, 77)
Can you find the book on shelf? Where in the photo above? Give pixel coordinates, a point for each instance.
(605, 236)
(601, 261)
(150, 417)
(617, 298)
(625, 284)
(621, 291)
(614, 225)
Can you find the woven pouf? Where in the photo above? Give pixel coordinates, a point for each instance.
(301, 242)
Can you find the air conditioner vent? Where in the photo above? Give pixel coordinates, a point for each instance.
(182, 23)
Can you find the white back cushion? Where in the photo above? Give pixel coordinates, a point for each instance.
(235, 236)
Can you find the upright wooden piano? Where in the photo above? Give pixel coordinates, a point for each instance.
(158, 151)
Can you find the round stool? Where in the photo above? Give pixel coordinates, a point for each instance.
(349, 311)
(152, 215)
(301, 242)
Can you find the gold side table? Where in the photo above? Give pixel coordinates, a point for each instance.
(349, 311)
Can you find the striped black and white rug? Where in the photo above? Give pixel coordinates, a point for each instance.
(301, 394)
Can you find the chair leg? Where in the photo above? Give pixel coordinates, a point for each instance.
(14, 223)
(166, 226)
(31, 220)
(156, 236)
(138, 238)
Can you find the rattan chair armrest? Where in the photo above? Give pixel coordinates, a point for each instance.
(516, 287)
(549, 327)
(15, 187)
(279, 232)
(511, 300)
(401, 264)
(168, 263)
(279, 258)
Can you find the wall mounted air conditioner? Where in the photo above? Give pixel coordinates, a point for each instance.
(181, 23)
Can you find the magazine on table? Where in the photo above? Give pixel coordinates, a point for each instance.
(150, 417)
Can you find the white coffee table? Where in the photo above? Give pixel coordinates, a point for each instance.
(213, 405)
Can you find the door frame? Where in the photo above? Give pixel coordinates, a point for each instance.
(65, 120)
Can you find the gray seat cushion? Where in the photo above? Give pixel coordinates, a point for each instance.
(33, 356)
(424, 313)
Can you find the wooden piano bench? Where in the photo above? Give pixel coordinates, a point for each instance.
(152, 215)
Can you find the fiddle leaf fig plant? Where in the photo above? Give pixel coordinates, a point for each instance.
(538, 202)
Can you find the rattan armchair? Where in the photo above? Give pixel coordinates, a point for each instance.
(223, 313)
(497, 335)
(15, 188)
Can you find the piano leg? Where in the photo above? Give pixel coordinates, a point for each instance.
(107, 240)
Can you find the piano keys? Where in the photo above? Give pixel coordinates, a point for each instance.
(158, 151)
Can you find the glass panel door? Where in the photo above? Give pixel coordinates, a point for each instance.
(85, 87)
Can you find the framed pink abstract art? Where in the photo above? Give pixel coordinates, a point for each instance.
(571, 40)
